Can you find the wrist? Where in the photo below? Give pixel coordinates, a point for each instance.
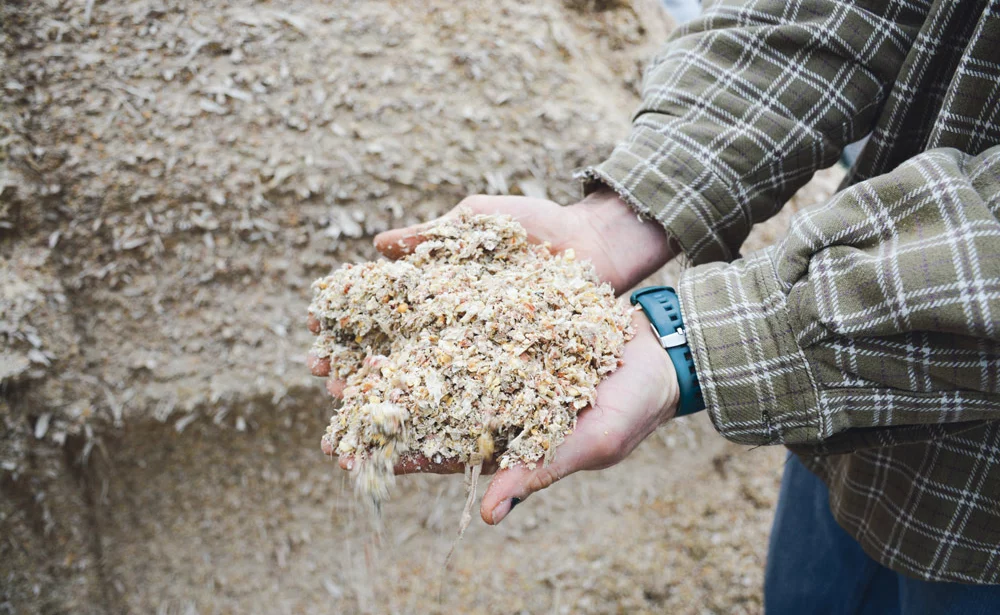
(662, 308)
(664, 388)
(633, 245)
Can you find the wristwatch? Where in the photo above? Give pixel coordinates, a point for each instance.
(663, 309)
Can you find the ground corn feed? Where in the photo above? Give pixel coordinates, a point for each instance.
(479, 345)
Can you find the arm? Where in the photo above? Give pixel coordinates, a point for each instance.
(876, 321)
(745, 104)
(761, 139)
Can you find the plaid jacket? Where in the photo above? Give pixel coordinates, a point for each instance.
(868, 340)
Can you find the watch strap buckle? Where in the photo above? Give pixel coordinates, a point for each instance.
(672, 340)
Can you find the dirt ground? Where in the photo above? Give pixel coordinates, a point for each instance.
(173, 175)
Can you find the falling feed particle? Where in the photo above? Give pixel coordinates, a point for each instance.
(477, 345)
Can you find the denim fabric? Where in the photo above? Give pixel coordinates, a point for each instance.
(683, 11)
(814, 566)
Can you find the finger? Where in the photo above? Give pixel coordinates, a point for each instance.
(313, 323)
(335, 387)
(408, 465)
(533, 214)
(413, 464)
(318, 366)
(592, 445)
(327, 445)
(399, 242)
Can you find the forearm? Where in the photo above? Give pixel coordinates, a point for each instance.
(740, 110)
(877, 314)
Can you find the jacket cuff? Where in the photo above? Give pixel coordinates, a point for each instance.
(755, 378)
(676, 191)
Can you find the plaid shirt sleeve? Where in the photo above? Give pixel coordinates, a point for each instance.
(745, 104)
(876, 321)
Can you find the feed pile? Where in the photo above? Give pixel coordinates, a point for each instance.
(478, 344)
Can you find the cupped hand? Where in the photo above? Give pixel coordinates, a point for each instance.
(602, 229)
(631, 402)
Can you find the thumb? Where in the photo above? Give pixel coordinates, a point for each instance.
(399, 242)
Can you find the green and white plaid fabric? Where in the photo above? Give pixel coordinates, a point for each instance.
(868, 340)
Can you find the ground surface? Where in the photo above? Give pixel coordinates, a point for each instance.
(172, 177)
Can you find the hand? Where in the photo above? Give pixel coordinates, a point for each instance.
(631, 402)
(601, 228)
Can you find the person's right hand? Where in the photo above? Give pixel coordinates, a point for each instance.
(601, 228)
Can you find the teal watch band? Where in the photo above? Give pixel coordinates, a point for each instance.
(663, 309)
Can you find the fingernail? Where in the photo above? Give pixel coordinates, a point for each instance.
(503, 509)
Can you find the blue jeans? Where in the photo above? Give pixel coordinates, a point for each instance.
(683, 11)
(814, 566)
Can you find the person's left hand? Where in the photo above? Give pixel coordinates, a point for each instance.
(631, 403)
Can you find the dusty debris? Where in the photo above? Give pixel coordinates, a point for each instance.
(477, 344)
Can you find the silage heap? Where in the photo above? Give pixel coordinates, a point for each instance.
(478, 344)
